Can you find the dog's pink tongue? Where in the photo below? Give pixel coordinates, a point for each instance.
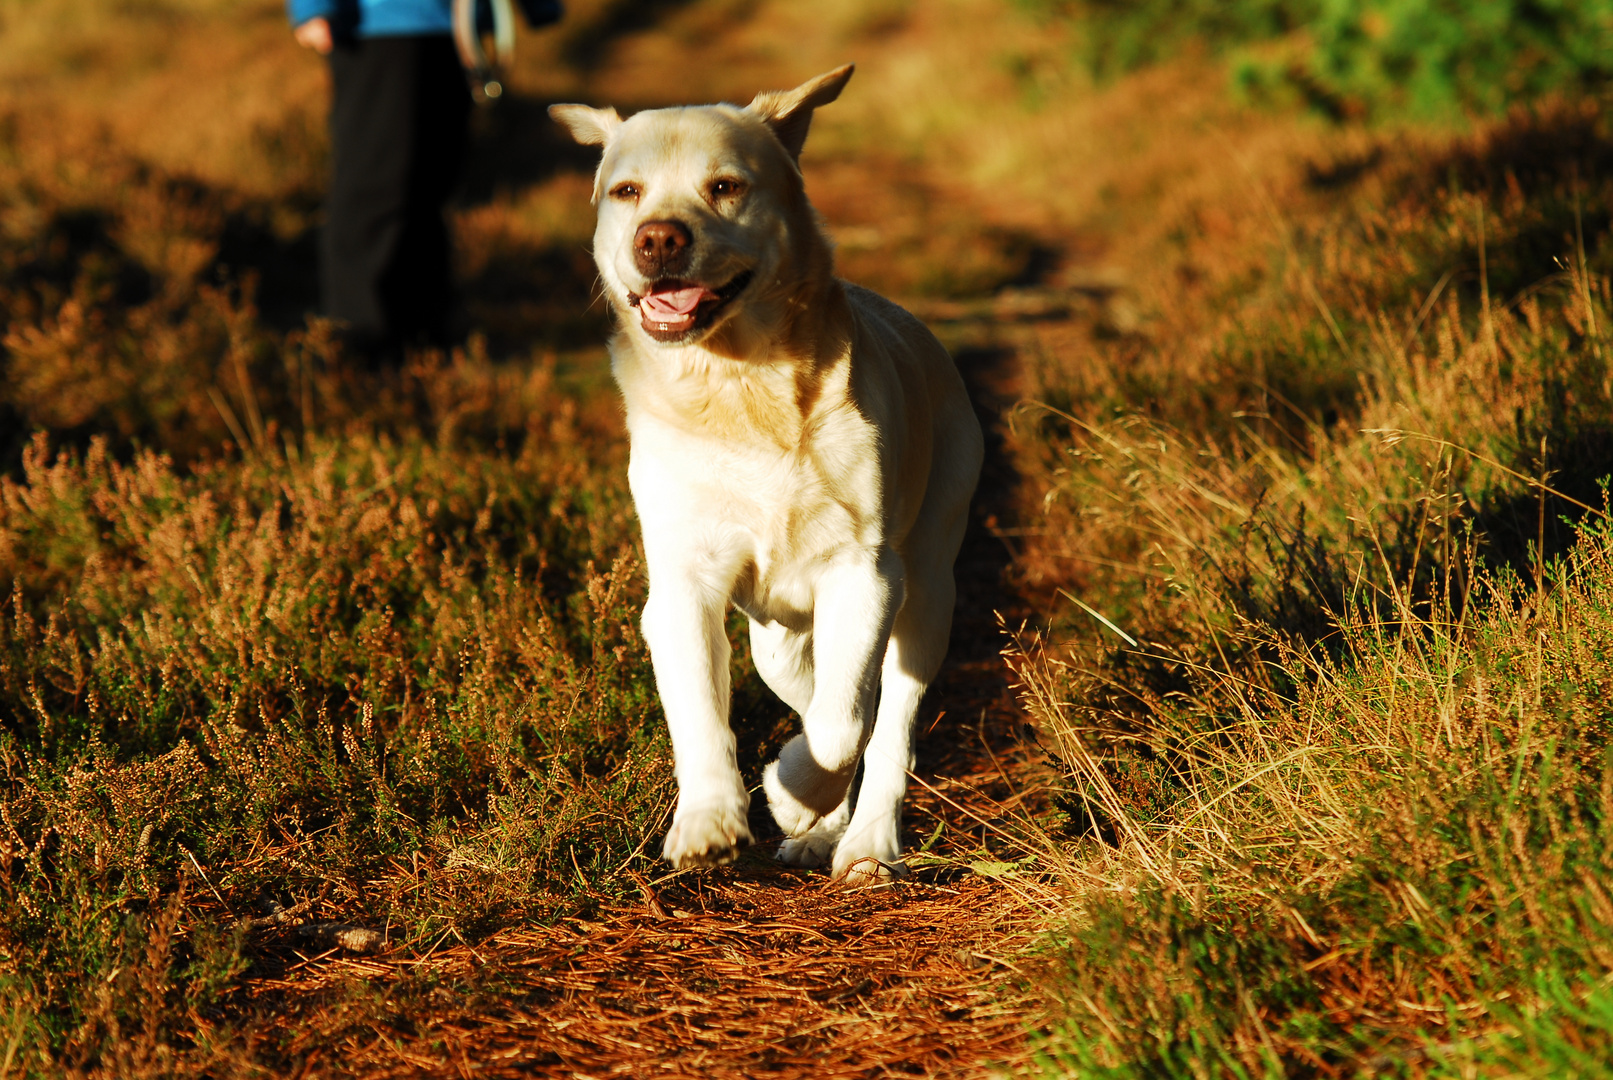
(672, 309)
(674, 302)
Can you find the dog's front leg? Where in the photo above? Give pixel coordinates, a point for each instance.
(854, 604)
(683, 624)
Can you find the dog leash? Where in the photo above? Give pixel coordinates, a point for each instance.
(482, 69)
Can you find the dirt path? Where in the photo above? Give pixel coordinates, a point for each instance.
(763, 974)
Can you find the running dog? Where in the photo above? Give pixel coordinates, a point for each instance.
(801, 449)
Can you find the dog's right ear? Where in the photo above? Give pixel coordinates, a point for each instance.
(589, 126)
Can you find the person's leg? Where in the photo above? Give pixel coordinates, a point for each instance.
(418, 289)
(372, 136)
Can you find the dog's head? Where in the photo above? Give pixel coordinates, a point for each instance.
(703, 219)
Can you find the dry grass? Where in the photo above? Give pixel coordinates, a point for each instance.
(1329, 686)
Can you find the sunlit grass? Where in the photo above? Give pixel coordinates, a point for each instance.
(1336, 734)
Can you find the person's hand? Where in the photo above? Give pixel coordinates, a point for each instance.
(315, 34)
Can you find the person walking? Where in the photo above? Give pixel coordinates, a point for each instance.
(398, 124)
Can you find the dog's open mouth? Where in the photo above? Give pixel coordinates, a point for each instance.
(672, 308)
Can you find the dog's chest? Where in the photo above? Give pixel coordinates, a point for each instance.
(754, 513)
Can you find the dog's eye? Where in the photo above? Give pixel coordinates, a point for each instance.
(625, 192)
(726, 188)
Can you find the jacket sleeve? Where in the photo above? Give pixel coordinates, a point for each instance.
(300, 11)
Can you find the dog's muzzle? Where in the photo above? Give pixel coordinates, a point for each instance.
(673, 310)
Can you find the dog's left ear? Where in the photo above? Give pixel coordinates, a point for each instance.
(789, 112)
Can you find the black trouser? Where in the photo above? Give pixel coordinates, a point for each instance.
(398, 126)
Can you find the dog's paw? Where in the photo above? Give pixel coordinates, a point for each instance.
(799, 790)
(706, 836)
(816, 846)
(868, 857)
(792, 815)
(867, 872)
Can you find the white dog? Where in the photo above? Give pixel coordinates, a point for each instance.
(801, 449)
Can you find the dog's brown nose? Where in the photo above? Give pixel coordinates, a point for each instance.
(658, 244)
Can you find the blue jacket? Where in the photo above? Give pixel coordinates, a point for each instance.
(377, 18)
